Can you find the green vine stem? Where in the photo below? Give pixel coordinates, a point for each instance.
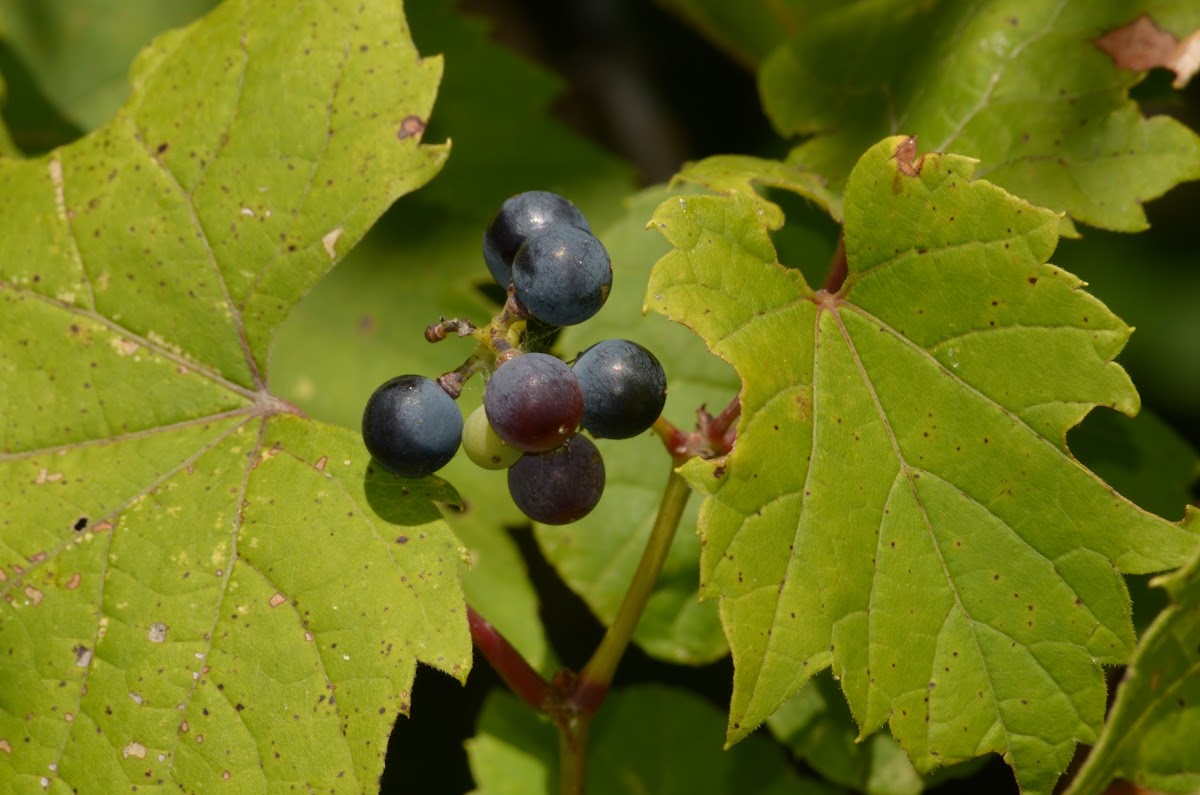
(596, 676)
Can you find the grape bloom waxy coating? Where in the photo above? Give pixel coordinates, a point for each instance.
(411, 426)
(519, 218)
(562, 275)
(624, 388)
(560, 486)
(534, 402)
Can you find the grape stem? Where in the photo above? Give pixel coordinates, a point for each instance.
(595, 678)
(571, 699)
(839, 268)
(713, 437)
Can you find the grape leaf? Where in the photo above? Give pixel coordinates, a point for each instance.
(1018, 84)
(900, 503)
(597, 555)
(1150, 736)
(648, 738)
(365, 322)
(79, 50)
(199, 584)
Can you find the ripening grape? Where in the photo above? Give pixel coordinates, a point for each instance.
(624, 388)
(484, 446)
(411, 426)
(559, 486)
(533, 402)
(562, 275)
(518, 218)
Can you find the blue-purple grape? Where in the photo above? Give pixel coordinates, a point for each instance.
(559, 486)
(624, 388)
(562, 275)
(518, 218)
(411, 426)
(533, 402)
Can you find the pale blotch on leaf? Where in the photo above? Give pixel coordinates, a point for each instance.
(277, 600)
(1142, 45)
(134, 749)
(157, 633)
(329, 241)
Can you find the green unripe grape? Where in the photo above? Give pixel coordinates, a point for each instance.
(483, 446)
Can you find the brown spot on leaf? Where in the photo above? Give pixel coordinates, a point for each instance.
(1141, 45)
(906, 159)
(412, 125)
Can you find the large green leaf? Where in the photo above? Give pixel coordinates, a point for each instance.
(200, 584)
(79, 50)
(900, 503)
(1018, 84)
(647, 738)
(1150, 736)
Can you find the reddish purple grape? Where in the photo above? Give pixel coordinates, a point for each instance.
(533, 402)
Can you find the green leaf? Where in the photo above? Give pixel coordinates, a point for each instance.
(817, 727)
(79, 50)
(365, 322)
(1150, 736)
(200, 585)
(1018, 84)
(647, 738)
(597, 555)
(724, 173)
(900, 503)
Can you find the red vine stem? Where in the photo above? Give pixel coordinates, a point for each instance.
(839, 268)
(518, 674)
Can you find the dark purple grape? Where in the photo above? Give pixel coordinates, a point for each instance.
(562, 275)
(559, 486)
(533, 402)
(519, 217)
(624, 388)
(411, 426)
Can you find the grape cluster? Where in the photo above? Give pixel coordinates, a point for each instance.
(541, 249)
